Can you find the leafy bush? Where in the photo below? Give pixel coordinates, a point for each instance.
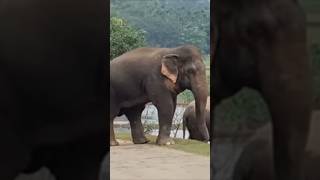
(123, 37)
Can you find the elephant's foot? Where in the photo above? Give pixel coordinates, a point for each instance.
(164, 141)
(114, 143)
(142, 140)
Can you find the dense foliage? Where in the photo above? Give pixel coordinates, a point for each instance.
(168, 23)
(123, 37)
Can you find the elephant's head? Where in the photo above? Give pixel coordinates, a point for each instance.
(184, 68)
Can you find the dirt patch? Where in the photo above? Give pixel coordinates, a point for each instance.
(151, 162)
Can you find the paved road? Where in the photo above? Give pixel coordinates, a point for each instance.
(151, 162)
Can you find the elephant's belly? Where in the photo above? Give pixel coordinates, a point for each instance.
(134, 101)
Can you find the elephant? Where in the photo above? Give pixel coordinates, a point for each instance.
(262, 45)
(53, 79)
(256, 162)
(190, 122)
(156, 75)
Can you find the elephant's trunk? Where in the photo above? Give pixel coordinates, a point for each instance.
(199, 89)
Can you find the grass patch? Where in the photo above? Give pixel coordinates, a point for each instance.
(186, 145)
(191, 146)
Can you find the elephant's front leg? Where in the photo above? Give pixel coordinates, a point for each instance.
(290, 133)
(137, 131)
(166, 108)
(288, 98)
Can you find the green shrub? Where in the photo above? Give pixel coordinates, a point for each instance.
(123, 37)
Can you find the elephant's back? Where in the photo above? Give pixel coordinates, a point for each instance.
(136, 65)
(140, 61)
(139, 54)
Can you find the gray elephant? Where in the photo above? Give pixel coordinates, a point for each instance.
(156, 75)
(190, 121)
(262, 45)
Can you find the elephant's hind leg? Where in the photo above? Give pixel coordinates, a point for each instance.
(114, 111)
(137, 131)
(113, 141)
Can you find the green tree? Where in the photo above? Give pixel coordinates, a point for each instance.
(123, 37)
(168, 23)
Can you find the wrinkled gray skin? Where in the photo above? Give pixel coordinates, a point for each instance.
(256, 160)
(190, 121)
(261, 44)
(156, 75)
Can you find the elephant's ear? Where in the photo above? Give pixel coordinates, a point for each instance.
(169, 67)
